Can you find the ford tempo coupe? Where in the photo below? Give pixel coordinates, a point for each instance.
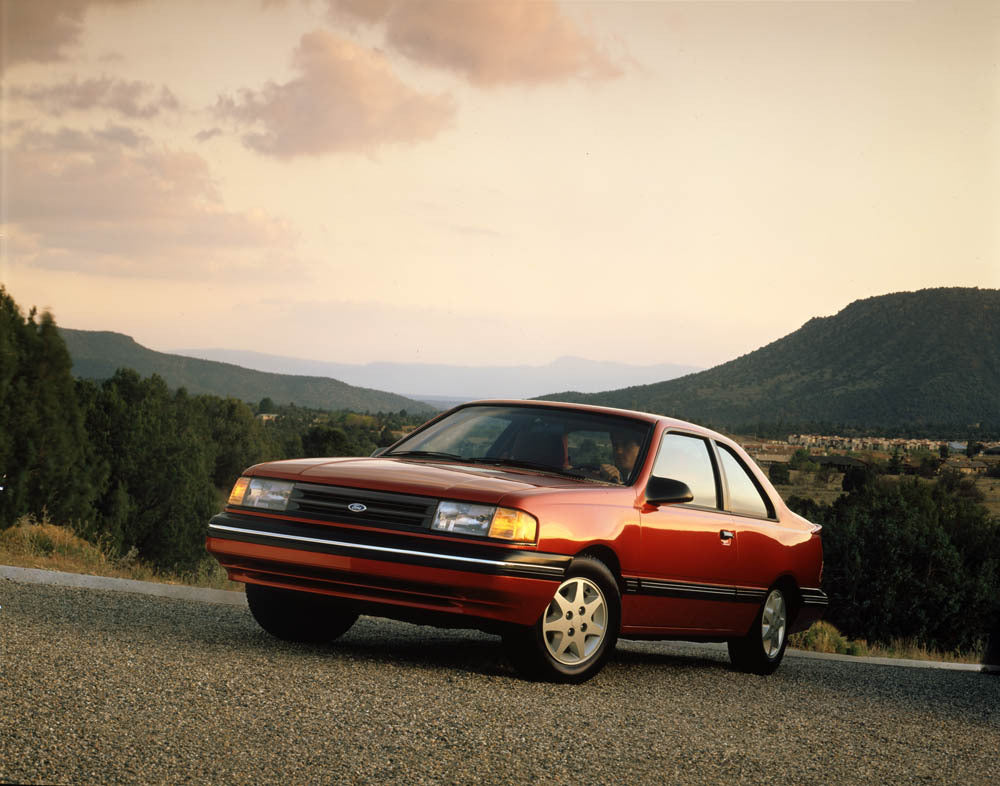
(560, 527)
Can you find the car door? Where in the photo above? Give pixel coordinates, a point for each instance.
(689, 562)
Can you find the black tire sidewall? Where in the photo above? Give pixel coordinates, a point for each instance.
(302, 617)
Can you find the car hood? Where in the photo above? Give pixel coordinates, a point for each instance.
(480, 483)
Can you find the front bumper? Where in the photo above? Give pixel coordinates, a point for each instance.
(409, 571)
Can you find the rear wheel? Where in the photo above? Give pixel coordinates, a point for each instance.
(761, 650)
(303, 617)
(578, 630)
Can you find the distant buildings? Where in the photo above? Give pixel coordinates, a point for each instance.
(867, 444)
(881, 449)
(966, 466)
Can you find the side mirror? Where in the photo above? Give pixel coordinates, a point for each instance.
(664, 491)
(378, 452)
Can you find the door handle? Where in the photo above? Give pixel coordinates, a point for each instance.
(726, 534)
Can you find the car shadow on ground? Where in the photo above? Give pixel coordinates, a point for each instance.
(387, 641)
(384, 641)
(659, 655)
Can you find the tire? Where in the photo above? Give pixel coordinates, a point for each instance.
(761, 650)
(302, 617)
(576, 633)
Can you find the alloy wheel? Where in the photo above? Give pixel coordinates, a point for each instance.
(576, 621)
(773, 622)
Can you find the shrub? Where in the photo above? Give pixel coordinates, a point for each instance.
(821, 637)
(33, 537)
(910, 560)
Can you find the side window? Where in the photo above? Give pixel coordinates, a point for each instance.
(744, 496)
(688, 459)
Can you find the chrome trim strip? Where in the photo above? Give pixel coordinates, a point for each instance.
(686, 589)
(812, 596)
(386, 549)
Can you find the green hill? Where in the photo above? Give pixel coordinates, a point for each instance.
(906, 360)
(97, 354)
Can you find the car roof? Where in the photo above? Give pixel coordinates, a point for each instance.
(670, 423)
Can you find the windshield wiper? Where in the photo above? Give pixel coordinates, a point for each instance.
(425, 454)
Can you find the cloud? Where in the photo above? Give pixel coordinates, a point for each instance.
(137, 100)
(489, 42)
(346, 99)
(208, 133)
(42, 30)
(109, 201)
(369, 11)
(122, 135)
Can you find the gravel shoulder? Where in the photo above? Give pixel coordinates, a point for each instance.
(112, 687)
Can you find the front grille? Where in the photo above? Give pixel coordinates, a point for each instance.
(382, 508)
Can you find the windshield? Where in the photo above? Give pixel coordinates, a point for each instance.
(569, 442)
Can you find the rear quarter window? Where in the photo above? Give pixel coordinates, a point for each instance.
(745, 497)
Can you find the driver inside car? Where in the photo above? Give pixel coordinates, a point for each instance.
(626, 451)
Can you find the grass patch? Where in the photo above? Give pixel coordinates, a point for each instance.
(34, 543)
(824, 637)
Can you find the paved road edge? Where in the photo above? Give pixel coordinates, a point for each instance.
(182, 592)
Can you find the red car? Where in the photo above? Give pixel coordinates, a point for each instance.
(561, 527)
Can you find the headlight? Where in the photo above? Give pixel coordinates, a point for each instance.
(261, 493)
(487, 521)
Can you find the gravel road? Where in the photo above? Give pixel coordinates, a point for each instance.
(103, 687)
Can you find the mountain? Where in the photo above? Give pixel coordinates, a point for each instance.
(926, 358)
(97, 354)
(430, 381)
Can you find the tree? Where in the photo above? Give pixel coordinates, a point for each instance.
(802, 460)
(386, 437)
(324, 440)
(237, 437)
(779, 474)
(161, 460)
(929, 466)
(857, 477)
(909, 559)
(45, 455)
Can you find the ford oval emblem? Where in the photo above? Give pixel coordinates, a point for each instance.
(357, 507)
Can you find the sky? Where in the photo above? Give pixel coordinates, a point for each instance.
(490, 182)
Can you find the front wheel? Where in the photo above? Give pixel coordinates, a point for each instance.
(761, 650)
(304, 617)
(578, 630)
